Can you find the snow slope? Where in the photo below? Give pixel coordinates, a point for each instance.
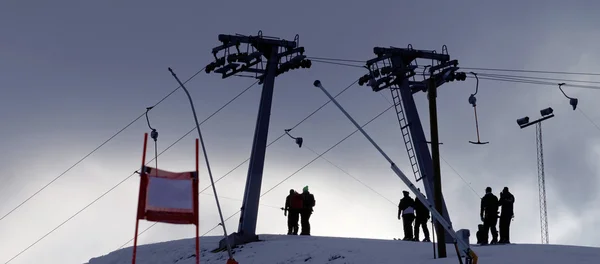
(280, 249)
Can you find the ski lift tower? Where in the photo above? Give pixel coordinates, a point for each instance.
(394, 68)
(250, 59)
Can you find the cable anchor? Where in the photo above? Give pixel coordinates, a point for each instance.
(473, 102)
(298, 140)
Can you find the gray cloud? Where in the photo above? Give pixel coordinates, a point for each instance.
(74, 74)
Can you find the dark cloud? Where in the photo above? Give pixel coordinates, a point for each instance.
(75, 74)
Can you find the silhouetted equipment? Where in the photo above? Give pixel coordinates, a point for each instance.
(298, 140)
(212, 182)
(473, 102)
(524, 122)
(462, 246)
(397, 73)
(280, 56)
(153, 135)
(572, 101)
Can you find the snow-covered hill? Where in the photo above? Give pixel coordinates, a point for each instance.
(280, 249)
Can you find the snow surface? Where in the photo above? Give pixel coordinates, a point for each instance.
(280, 249)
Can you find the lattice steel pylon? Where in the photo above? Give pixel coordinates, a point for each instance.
(523, 122)
(541, 183)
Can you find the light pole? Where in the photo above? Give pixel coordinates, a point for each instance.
(523, 122)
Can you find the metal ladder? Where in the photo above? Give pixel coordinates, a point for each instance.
(414, 163)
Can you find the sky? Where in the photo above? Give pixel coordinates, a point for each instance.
(75, 73)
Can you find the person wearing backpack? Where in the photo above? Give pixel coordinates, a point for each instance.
(308, 202)
(293, 205)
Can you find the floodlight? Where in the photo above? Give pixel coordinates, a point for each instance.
(547, 111)
(522, 121)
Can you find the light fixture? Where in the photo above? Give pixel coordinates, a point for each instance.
(522, 121)
(547, 111)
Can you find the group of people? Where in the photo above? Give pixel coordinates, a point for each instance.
(489, 216)
(410, 211)
(299, 206)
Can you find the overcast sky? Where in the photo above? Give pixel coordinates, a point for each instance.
(76, 72)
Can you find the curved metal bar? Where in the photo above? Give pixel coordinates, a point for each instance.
(147, 119)
(563, 92)
(477, 85)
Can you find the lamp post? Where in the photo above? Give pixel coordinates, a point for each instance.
(523, 122)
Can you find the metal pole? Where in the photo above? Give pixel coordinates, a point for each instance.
(249, 212)
(206, 160)
(435, 213)
(435, 156)
(317, 83)
(433, 238)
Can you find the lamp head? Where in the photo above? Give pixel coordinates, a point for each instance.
(299, 141)
(317, 83)
(547, 111)
(522, 121)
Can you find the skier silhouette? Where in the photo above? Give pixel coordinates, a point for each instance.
(293, 205)
(406, 210)
(489, 215)
(422, 215)
(308, 202)
(506, 202)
